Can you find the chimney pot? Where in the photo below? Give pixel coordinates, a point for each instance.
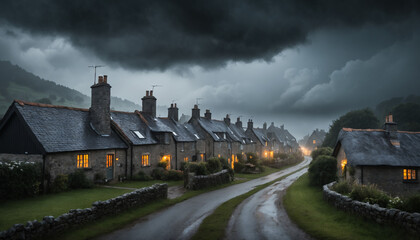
(105, 78)
(151, 92)
(100, 79)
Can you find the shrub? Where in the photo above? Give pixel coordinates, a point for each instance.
(19, 179)
(251, 158)
(175, 175)
(201, 169)
(412, 203)
(343, 187)
(163, 164)
(60, 183)
(214, 165)
(78, 179)
(160, 174)
(239, 167)
(369, 193)
(240, 157)
(323, 170)
(327, 151)
(142, 176)
(184, 165)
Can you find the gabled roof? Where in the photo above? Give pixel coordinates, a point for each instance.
(131, 122)
(63, 129)
(195, 131)
(180, 133)
(373, 147)
(283, 135)
(216, 126)
(260, 135)
(155, 124)
(240, 134)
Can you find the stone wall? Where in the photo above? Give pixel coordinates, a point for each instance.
(76, 217)
(21, 157)
(204, 181)
(409, 221)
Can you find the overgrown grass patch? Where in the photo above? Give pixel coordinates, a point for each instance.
(306, 207)
(21, 211)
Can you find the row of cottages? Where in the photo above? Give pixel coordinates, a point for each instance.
(315, 140)
(386, 157)
(110, 145)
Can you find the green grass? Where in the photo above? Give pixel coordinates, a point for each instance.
(306, 207)
(214, 225)
(142, 184)
(21, 211)
(267, 171)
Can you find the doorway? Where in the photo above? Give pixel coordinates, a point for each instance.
(110, 166)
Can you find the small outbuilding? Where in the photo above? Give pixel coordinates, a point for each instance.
(386, 157)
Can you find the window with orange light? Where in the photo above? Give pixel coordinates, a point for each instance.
(145, 160)
(343, 164)
(185, 159)
(271, 154)
(409, 174)
(202, 157)
(82, 161)
(109, 160)
(167, 159)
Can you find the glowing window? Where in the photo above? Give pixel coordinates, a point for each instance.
(138, 134)
(167, 159)
(409, 174)
(185, 159)
(314, 141)
(202, 156)
(82, 161)
(271, 154)
(343, 164)
(109, 160)
(145, 160)
(218, 155)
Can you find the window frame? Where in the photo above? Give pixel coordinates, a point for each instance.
(82, 161)
(407, 175)
(143, 159)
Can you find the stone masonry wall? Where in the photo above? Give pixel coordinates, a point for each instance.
(409, 221)
(75, 217)
(200, 182)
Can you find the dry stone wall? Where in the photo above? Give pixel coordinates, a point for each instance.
(409, 221)
(204, 181)
(50, 225)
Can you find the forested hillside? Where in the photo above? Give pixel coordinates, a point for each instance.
(16, 83)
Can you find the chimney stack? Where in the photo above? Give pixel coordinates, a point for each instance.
(196, 112)
(250, 124)
(227, 119)
(149, 104)
(173, 112)
(390, 128)
(100, 111)
(207, 115)
(265, 127)
(238, 123)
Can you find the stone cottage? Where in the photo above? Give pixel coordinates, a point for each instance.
(386, 157)
(315, 140)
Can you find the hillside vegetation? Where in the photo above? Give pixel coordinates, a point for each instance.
(16, 83)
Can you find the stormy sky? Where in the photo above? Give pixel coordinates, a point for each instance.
(298, 63)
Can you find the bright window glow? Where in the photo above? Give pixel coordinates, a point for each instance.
(109, 160)
(343, 164)
(314, 141)
(145, 160)
(185, 159)
(138, 134)
(409, 174)
(202, 156)
(167, 159)
(82, 161)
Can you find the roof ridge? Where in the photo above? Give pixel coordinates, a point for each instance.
(23, 103)
(374, 130)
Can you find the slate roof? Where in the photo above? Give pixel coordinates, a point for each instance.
(194, 131)
(156, 124)
(130, 122)
(182, 134)
(216, 126)
(240, 134)
(260, 135)
(283, 135)
(63, 129)
(373, 147)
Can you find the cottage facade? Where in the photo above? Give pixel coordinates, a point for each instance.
(386, 157)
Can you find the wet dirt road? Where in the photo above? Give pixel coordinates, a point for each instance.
(182, 220)
(262, 215)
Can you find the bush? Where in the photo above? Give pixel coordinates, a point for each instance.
(214, 165)
(163, 164)
(370, 193)
(142, 176)
(184, 165)
(239, 167)
(412, 203)
(327, 151)
(175, 175)
(160, 174)
(201, 169)
(240, 157)
(78, 179)
(19, 179)
(224, 162)
(60, 183)
(323, 170)
(252, 158)
(342, 187)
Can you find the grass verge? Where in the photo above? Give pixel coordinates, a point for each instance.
(214, 225)
(306, 207)
(142, 184)
(20, 211)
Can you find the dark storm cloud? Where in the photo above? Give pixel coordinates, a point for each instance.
(165, 34)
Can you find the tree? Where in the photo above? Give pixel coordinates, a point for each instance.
(321, 151)
(354, 119)
(407, 116)
(323, 170)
